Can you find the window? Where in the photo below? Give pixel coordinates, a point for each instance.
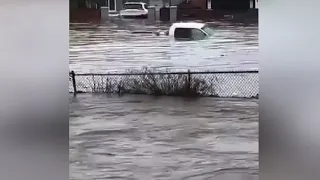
(208, 30)
(189, 34)
(133, 6)
(182, 33)
(197, 34)
(146, 6)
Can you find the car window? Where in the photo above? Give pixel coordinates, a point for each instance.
(133, 6)
(146, 6)
(208, 30)
(197, 34)
(182, 33)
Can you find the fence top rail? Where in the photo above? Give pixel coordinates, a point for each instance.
(165, 73)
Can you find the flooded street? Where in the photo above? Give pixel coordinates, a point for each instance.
(111, 46)
(136, 137)
(142, 137)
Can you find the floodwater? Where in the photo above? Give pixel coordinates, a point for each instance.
(147, 138)
(111, 46)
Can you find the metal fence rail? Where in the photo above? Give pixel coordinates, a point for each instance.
(218, 84)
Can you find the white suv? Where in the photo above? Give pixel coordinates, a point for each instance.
(134, 9)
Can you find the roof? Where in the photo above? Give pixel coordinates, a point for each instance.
(135, 3)
(188, 25)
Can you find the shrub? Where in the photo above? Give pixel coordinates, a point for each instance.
(152, 82)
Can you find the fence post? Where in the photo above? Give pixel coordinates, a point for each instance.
(173, 13)
(73, 77)
(152, 13)
(104, 13)
(189, 80)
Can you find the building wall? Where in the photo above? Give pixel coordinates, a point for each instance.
(119, 5)
(199, 3)
(230, 4)
(222, 4)
(215, 4)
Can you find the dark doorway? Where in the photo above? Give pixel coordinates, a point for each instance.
(112, 5)
(230, 4)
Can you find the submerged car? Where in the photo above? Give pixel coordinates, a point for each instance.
(134, 10)
(190, 31)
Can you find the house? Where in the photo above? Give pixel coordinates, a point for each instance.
(117, 5)
(200, 9)
(224, 5)
(114, 5)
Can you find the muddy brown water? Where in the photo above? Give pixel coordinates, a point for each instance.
(141, 137)
(110, 46)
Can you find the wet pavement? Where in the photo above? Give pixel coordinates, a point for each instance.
(142, 137)
(111, 46)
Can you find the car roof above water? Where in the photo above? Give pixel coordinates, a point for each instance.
(195, 25)
(188, 25)
(135, 3)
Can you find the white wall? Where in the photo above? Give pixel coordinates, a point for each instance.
(159, 3)
(256, 4)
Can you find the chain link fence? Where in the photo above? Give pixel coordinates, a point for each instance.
(243, 84)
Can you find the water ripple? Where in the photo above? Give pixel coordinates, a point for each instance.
(112, 47)
(141, 137)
